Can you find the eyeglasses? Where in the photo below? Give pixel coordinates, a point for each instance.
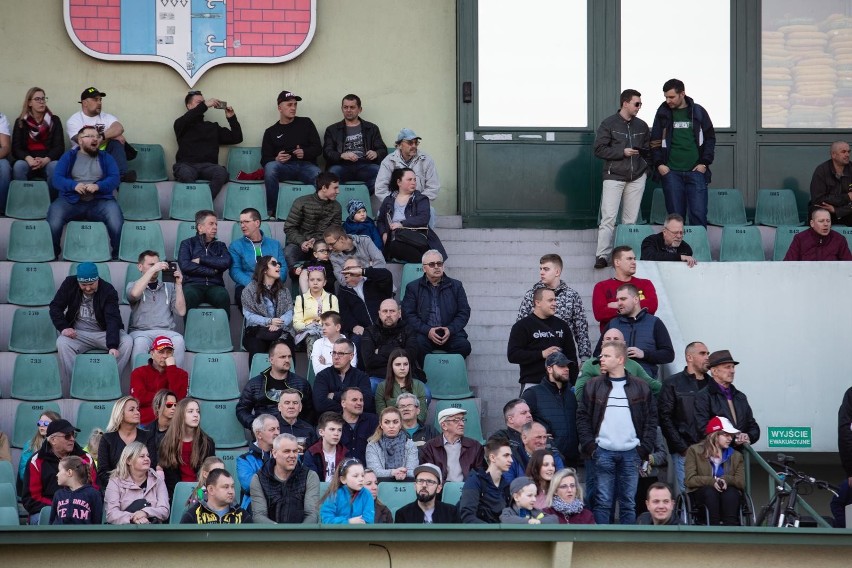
(43, 423)
(340, 353)
(39, 99)
(249, 221)
(406, 407)
(316, 268)
(325, 250)
(675, 233)
(68, 436)
(170, 404)
(334, 242)
(436, 264)
(274, 263)
(456, 420)
(88, 136)
(429, 482)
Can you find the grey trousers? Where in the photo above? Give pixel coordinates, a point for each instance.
(84, 342)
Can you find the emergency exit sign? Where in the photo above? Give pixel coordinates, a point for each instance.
(789, 437)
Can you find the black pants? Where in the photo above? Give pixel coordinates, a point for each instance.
(395, 250)
(254, 344)
(723, 508)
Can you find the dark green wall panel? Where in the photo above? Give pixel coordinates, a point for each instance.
(790, 167)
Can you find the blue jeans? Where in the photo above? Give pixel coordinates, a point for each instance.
(276, 172)
(357, 171)
(5, 179)
(106, 211)
(686, 189)
(590, 489)
(21, 171)
(617, 475)
(678, 461)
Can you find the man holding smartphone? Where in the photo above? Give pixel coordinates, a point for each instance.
(199, 140)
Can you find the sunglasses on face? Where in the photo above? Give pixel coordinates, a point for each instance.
(68, 436)
(43, 422)
(274, 263)
(170, 404)
(436, 264)
(316, 268)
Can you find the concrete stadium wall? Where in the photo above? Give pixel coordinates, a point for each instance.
(399, 57)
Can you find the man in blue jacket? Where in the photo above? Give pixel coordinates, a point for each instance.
(436, 307)
(683, 144)
(85, 178)
(247, 250)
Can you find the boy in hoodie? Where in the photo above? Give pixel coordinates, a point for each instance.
(523, 511)
(359, 223)
(218, 508)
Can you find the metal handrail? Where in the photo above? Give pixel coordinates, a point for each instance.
(752, 453)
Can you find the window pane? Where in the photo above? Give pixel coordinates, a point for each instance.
(806, 57)
(689, 40)
(532, 63)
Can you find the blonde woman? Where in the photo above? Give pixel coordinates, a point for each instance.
(123, 429)
(136, 493)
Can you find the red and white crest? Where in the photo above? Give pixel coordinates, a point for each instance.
(192, 36)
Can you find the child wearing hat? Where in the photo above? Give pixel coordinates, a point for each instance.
(358, 223)
(523, 511)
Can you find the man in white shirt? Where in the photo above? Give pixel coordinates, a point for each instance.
(110, 129)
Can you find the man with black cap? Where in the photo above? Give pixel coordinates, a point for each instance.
(110, 130)
(722, 398)
(85, 313)
(408, 155)
(353, 148)
(427, 509)
(554, 406)
(40, 475)
(290, 148)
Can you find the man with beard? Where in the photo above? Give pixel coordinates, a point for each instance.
(85, 178)
(427, 509)
(553, 405)
(263, 392)
(285, 491)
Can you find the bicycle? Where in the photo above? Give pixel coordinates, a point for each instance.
(781, 510)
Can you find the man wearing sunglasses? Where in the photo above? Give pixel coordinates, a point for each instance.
(40, 481)
(436, 307)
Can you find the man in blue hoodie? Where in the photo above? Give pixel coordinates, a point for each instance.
(246, 251)
(85, 178)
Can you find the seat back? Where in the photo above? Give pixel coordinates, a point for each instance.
(741, 244)
(36, 377)
(188, 199)
(214, 377)
(783, 239)
(185, 230)
(658, 207)
(86, 241)
(32, 331)
(31, 284)
(219, 420)
(354, 191)
(259, 363)
(8, 497)
(27, 199)
(139, 201)
(139, 236)
(91, 415)
(410, 272)
(30, 241)
(7, 473)
(632, 236)
(696, 237)
(776, 207)
(26, 416)
(452, 492)
(183, 490)
(95, 377)
(246, 159)
(287, 194)
(725, 207)
(9, 516)
(395, 495)
(241, 195)
(473, 426)
(846, 232)
(208, 331)
(447, 376)
(150, 163)
(229, 458)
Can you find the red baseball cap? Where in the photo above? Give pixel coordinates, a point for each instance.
(162, 342)
(720, 423)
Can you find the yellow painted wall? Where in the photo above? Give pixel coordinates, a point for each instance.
(399, 56)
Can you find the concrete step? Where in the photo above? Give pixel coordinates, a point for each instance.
(506, 248)
(552, 238)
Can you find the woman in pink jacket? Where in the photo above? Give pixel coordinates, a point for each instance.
(136, 494)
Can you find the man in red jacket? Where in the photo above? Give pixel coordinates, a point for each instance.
(819, 242)
(161, 372)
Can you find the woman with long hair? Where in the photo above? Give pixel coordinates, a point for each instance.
(390, 452)
(136, 493)
(38, 140)
(714, 474)
(403, 212)
(347, 501)
(565, 499)
(267, 308)
(36, 441)
(185, 445)
(540, 470)
(399, 379)
(163, 405)
(123, 429)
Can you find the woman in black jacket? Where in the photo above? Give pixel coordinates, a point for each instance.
(404, 217)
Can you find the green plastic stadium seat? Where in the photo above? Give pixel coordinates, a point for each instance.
(30, 241)
(140, 360)
(32, 331)
(95, 377)
(26, 416)
(86, 241)
(36, 377)
(214, 377)
(696, 237)
(219, 420)
(7, 473)
(846, 232)
(229, 458)
(131, 274)
(354, 191)
(410, 273)
(9, 515)
(103, 270)
(447, 375)
(725, 208)
(246, 159)
(776, 207)
(237, 233)
(741, 244)
(241, 195)
(8, 497)
(91, 415)
(183, 490)
(287, 194)
(452, 492)
(658, 207)
(150, 163)
(28, 199)
(185, 230)
(31, 284)
(259, 363)
(396, 494)
(44, 516)
(632, 235)
(208, 331)
(473, 427)
(188, 199)
(139, 201)
(138, 236)
(312, 376)
(783, 238)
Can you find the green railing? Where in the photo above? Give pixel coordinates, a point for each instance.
(749, 454)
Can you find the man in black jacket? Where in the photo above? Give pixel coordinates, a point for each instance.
(332, 382)
(553, 405)
(361, 295)
(353, 148)
(198, 142)
(831, 185)
(85, 313)
(203, 260)
(427, 509)
(668, 245)
(677, 406)
(385, 335)
(721, 398)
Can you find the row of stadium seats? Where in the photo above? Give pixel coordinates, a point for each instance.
(725, 207)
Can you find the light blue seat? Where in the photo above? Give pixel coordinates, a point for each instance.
(131, 274)
(214, 377)
(185, 230)
(259, 363)
(632, 236)
(32, 331)
(27, 199)
(658, 207)
(139, 201)
(139, 236)
(188, 199)
(447, 376)
(31, 284)
(91, 415)
(246, 159)
(741, 244)
(30, 241)
(229, 458)
(845, 231)
(36, 377)
(7, 472)
(776, 207)
(150, 163)
(26, 417)
(8, 497)
(183, 490)
(219, 420)
(86, 241)
(696, 237)
(354, 191)
(452, 492)
(410, 272)
(783, 239)
(396, 494)
(473, 427)
(242, 195)
(9, 515)
(208, 331)
(95, 377)
(725, 208)
(287, 194)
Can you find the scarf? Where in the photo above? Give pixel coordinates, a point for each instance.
(394, 450)
(39, 133)
(567, 509)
